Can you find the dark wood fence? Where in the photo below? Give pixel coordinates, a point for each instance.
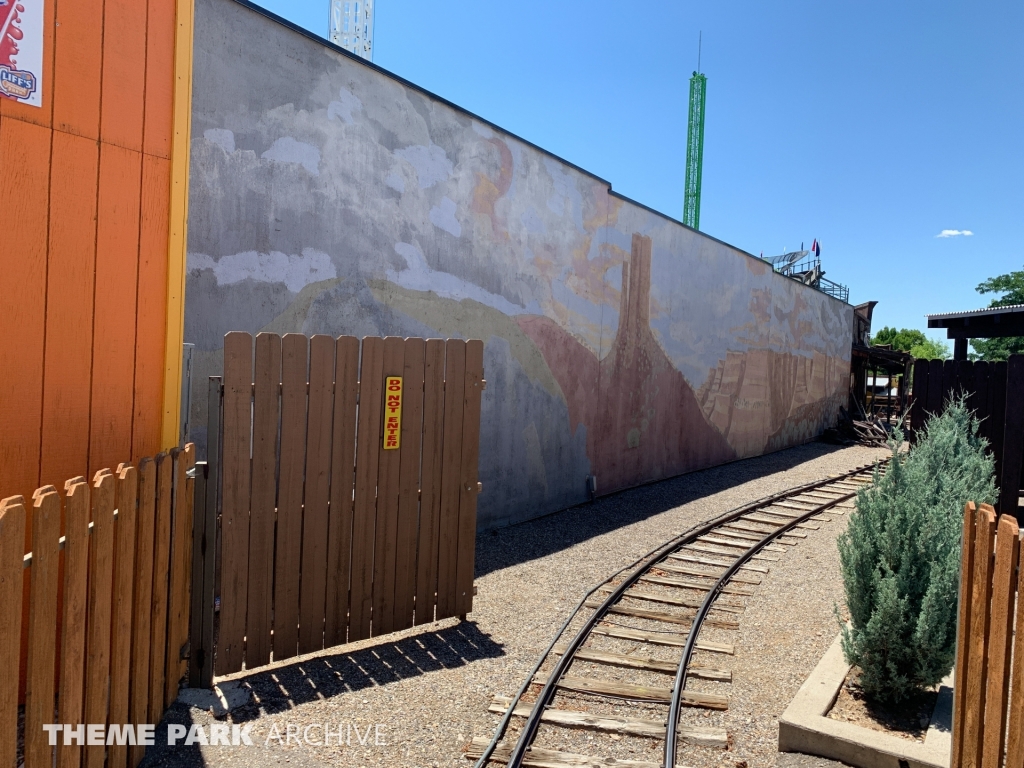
(107, 608)
(996, 393)
(330, 533)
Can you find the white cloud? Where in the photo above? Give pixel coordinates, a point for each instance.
(288, 150)
(295, 271)
(955, 233)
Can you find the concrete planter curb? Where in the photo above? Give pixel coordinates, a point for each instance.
(805, 728)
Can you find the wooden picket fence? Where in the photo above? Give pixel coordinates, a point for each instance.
(327, 534)
(107, 607)
(988, 725)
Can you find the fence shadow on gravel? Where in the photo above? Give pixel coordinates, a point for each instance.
(282, 688)
(504, 547)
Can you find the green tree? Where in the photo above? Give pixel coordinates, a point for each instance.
(904, 339)
(1011, 285)
(930, 350)
(900, 556)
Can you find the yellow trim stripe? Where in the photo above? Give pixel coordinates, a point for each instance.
(177, 230)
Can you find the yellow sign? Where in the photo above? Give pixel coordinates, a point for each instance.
(392, 412)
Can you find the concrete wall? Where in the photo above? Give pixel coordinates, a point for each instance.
(330, 197)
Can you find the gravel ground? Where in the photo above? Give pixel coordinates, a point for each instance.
(417, 698)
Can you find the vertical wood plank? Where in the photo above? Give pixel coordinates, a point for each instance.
(977, 680)
(343, 457)
(949, 381)
(73, 627)
(1015, 726)
(386, 529)
(180, 571)
(161, 564)
(294, 376)
(997, 399)
(917, 411)
(320, 425)
(451, 475)
(409, 483)
(963, 629)
(125, 527)
(935, 401)
(42, 626)
(25, 157)
(68, 356)
(430, 488)
(151, 319)
(365, 511)
(980, 398)
(101, 582)
(266, 415)
(12, 550)
(141, 628)
(124, 76)
(466, 553)
(78, 66)
(1013, 437)
(1000, 639)
(159, 78)
(235, 504)
(116, 280)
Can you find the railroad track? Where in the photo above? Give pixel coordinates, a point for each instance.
(663, 622)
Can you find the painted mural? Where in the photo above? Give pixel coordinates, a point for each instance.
(329, 197)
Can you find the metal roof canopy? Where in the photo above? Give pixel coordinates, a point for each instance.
(991, 323)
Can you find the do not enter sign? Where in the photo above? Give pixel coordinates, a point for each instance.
(392, 412)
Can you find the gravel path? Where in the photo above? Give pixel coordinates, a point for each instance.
(419, 697)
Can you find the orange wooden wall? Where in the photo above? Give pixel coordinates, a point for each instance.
(85, 196)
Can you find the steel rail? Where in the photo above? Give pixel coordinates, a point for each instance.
(712, 595)
(641, 566)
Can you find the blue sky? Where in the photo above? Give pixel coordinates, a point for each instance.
(872, 126)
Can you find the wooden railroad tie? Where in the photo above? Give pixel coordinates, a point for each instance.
(661, 638)
(629, 726)
(635, 692)
(538, 757)
(667, 618)
(632, 661)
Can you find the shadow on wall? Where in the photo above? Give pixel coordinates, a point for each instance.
(502, 548)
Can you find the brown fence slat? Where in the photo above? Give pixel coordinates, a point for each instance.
(997, 410)
(973, 731)
(1000, 639)
(978, 399)
(386, 529)
(313, 586)
(917, 410)
(468, 487)
(263, 504)
(126, 493)
(409, 483)
(1013, 436)
(234, 523)
(364, 516)
(138, 706)
(12, 550)
(963, 629)
(430, 483)
(101, 576)
(935, 400)
(161, 563)
(343, 456)
(180, 572)
(949, 387)
(1015, 725)
(76, 599)
(294, 357)
(451, 476)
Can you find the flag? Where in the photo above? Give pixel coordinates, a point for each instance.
(816, 248)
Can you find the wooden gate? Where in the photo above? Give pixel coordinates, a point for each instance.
(988, 723)
(348, 506)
